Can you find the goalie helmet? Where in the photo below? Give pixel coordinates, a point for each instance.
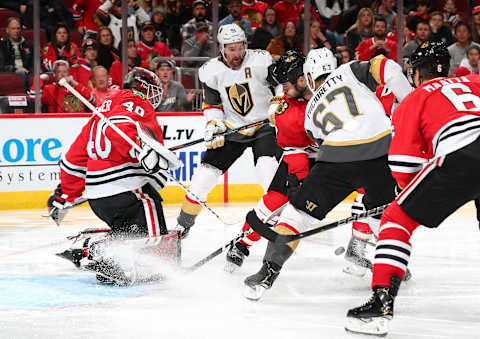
(288, 68)
(146, 82)
(431, 59)
(229, 34)
(319, 62)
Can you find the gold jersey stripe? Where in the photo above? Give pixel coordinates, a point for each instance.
(375, 66)
(275, 100)
(357, 142)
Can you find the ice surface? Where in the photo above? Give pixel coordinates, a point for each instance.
(44, 296)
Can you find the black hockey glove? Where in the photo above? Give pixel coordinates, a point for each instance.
(58, 205)
(293, 185)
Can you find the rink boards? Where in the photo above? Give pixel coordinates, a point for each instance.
(31, 146)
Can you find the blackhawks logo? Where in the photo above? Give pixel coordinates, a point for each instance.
(70, 103)
(240, 97)
(282, 107)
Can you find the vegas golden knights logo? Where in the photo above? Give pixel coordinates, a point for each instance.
(310, 206)
(240, 98)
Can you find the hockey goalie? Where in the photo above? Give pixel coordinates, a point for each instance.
(120, 184)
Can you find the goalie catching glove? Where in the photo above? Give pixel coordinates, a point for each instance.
(155, 156)
(58, 205)
(211, 140)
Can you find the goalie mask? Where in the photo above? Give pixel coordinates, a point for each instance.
(146, 82)
(431, 59)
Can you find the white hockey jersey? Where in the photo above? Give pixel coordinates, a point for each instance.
(346, 118)
(238, 96)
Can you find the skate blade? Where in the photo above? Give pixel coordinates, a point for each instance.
(230, 267)
(108, 279)
(254, 293)
(355, 270)
(377, 326)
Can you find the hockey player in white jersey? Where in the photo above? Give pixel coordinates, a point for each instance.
(236, 93)
(348, 122)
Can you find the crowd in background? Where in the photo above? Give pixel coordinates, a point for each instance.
(83, 39)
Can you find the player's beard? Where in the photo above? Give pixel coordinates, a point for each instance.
(236, 62)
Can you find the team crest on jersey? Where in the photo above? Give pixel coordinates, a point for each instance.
(282, 107)
(71, 103)
(240, 97)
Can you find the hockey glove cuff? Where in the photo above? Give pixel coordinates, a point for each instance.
(212, 140)
(58, 205)
(151, 161)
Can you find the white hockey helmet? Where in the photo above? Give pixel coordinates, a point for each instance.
(228, 34)
(319, 62)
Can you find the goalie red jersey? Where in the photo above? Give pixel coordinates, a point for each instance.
(422, 132)
(100, 161)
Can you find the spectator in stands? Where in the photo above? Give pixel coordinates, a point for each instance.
(450, 16)
(133, 60)
(407, 34)
(56, 98)
(286, 41)
(268, 29)
(161, 28)
(199, 11)
(60, 48)
(174, 98)
(235, 9)
(385, 10)
(199, 45)
(288, 10)
(348, 18)
(421, 14)
(84, 17)
(148, 44)
(476, 24)
(317, 36)
(458, 50)
(110, 15)
(16, 53)
(422, 35)
(361, 30)
(343, 55)
(379, 44)
(107, 54)
(440, 32)
(253, 10)
(51, 13)
(19, 6)
(148, 6)
(177, 16)
(101, 82)
(82, 69)
(469, 65)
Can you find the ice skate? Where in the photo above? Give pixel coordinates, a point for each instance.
(73, 255)
(257, 284)
(111, 273)
(356, 264)
(235, 256)
(373, 317)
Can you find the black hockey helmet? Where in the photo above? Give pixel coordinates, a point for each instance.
(431, 59)
(146, 82)
(288, 68)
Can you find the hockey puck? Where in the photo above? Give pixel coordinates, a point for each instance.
(340, 250)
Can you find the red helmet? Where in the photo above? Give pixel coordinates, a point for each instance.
(146, 82)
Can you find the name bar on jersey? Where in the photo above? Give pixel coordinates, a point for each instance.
(321, 91)
(436, 84)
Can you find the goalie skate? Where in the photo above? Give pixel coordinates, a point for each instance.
(109, 273)
(356, 264)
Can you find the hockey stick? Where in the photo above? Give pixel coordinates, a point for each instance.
(275, 237)
(227, 132)
(63, 82)
(230, 243)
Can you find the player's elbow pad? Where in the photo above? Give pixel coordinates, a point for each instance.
(396, 81)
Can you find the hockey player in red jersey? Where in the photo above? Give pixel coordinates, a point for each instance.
(435, 158)
(120, 184)
(292, 138)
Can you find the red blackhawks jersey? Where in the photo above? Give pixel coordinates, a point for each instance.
(100, 161)
(291, 135)
(436, 119)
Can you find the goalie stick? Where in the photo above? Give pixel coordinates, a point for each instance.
(275, 237)
(173, 159)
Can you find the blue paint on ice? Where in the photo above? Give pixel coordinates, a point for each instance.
(60, 291)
